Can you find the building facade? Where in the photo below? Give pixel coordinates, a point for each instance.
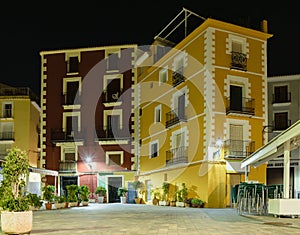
(20, 127)
(202, 105)
(87, 122)
(283, 111)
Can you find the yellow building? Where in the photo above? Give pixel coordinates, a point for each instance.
(201, 110)
(19, 121)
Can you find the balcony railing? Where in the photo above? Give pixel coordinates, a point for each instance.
(67, 99)
(281, 99)
(68, 166)
(175, 116)
(114, 133)
(177, 77)
(238, 61)
(59, 135)
(176, 155)
(7, 135)
(20, 91)
(238, 148)
(243, 106)
(111, 97)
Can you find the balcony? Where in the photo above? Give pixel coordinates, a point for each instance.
(175, 116)
(238, 148)
(177, 77)
(68, 99)
(238, 61)
(21, 91)
(7, 135)
(277, 99)
(68, 166)
(59, 135)
(241, 106)
(111, 96)
(176, 156)
(114, 133)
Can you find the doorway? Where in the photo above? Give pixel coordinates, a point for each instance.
(113, 184)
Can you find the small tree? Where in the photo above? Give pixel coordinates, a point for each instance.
(14, 171)
(165, 188)
(84, 193)
(48, 193)
(100, 191)
(72, 192)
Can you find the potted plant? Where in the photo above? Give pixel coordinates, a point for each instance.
(16, 217)
(72, 191)
(122, 191)
(181, 195)
(84, 193)
(156, 196)
(36, 201)
(140, 190)
(165, 194)
(59, 201)
(48, 195)
(101, 192)
(197, 203)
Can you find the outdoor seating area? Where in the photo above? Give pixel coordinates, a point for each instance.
(253, 198)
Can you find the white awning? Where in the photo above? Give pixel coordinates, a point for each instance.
(43, 171)
(267, 152)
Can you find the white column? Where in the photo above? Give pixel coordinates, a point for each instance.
(286, 170)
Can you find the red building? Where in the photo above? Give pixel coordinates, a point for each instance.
(87, 117)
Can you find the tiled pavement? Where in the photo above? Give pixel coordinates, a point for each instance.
(134, 219)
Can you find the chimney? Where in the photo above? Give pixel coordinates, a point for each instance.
(264, 26)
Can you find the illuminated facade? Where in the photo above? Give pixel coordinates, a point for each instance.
(202, 107)
(87, 106)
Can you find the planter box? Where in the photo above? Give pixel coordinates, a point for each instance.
(16, 222)
(73, 204)
(180, 204)
(123, 200)
(59, 205)
(289, 206)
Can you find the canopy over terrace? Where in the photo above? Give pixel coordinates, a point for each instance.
(283, 143)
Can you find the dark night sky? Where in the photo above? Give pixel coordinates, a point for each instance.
(25, 33)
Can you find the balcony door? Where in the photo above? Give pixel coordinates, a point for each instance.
(72, 89)
(181, 107)
(113, 125)
(72, 126)
(113, 89)
(236, 139)
(236, 98)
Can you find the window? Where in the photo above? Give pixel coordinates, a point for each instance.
(72, 89)
(157, 114)
(113, 61)
(73, 64)
(4, 148)
(113, 91)
(281, 121)
(113, 126)
(281, 94)
(163, 75)
(153, 149)
(114, 158)
(7, 131)
(237, 47)
(236, 98)
(7, 110)
(69, 154)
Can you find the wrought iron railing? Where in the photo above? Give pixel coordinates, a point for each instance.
(68, 99)
(238, 61)
(238, 148)
(177, 77)
(244, 106)
(19, 91)
(113, 133)
(175, 116)
(68, 166)
(111, 96)
(176, 155)
(59, 135)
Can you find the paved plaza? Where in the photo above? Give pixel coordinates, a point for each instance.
(116, 218)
